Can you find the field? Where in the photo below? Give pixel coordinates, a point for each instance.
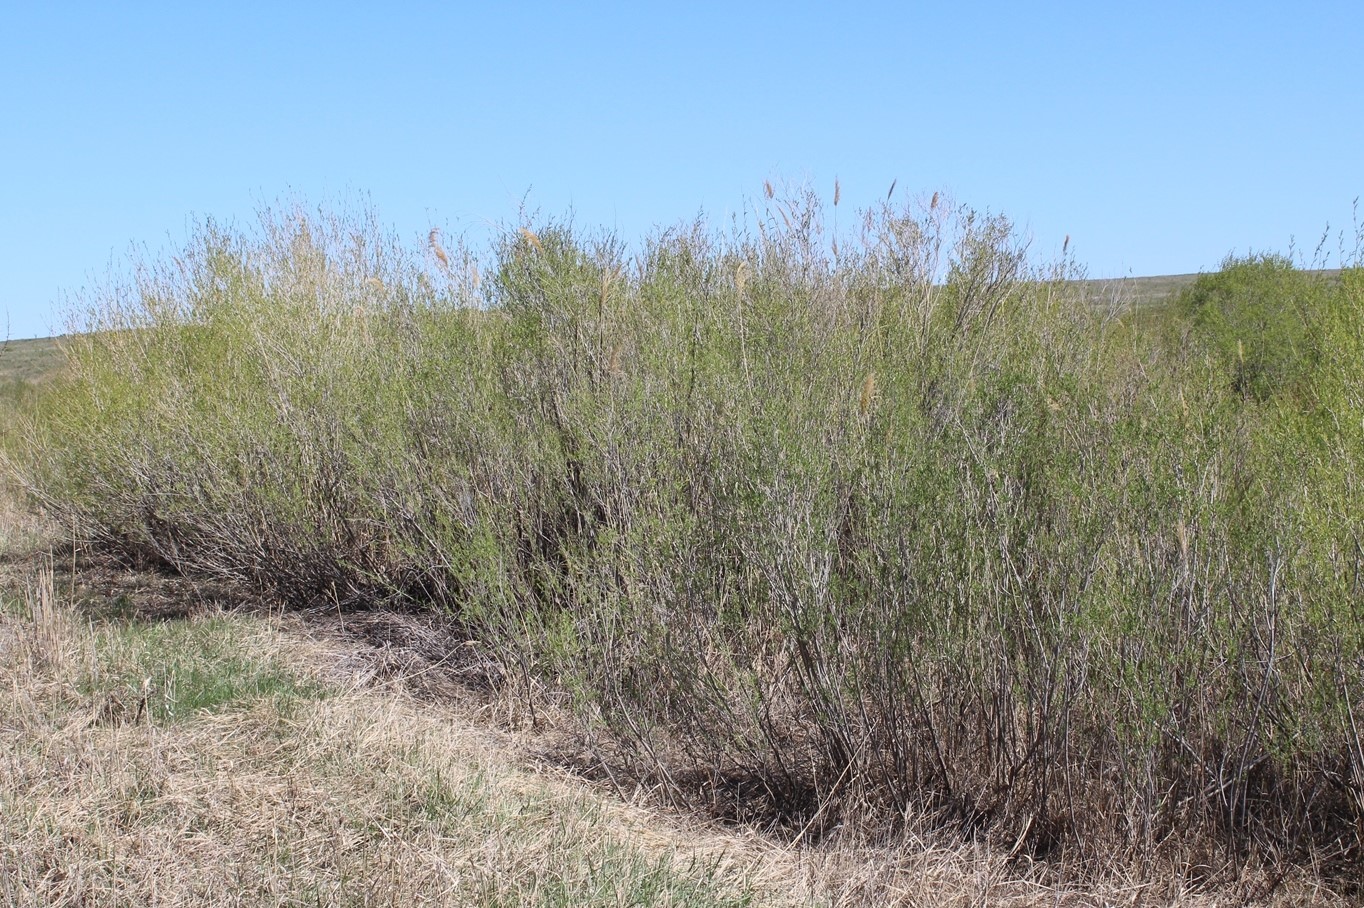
(31, 361)
(888, 560)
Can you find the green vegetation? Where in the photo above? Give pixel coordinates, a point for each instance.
(179, 668)
(878, 526)
(1262, 318)
(26, 367)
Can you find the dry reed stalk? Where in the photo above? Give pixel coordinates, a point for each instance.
(609, 279)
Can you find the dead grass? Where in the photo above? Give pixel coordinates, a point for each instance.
(21, 532)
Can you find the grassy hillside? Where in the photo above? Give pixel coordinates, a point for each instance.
(31, 361)
(1157, 289)
(892, 531)
(1137, 291)
(25, 367)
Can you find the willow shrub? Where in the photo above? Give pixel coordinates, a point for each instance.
(832, 528)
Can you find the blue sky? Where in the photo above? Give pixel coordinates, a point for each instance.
(1159, 136)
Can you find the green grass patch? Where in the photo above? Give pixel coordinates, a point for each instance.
(177, 669)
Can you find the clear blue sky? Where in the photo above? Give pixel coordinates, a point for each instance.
(1160, 136)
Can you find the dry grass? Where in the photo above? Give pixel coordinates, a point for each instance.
(336, 795)
(21, 532)
(34, 361)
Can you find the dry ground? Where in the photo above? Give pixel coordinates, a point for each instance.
(167, 744)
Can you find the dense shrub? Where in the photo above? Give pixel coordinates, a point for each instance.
(846, 529)
(1262, 318)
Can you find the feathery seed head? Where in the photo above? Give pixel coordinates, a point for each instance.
(433, 240)
(868, 393)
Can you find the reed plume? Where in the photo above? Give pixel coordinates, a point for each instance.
(433, 240)
(868, 393)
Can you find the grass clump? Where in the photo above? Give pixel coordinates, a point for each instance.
(822, 531)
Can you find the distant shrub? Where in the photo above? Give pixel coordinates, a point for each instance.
(1262, 318)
